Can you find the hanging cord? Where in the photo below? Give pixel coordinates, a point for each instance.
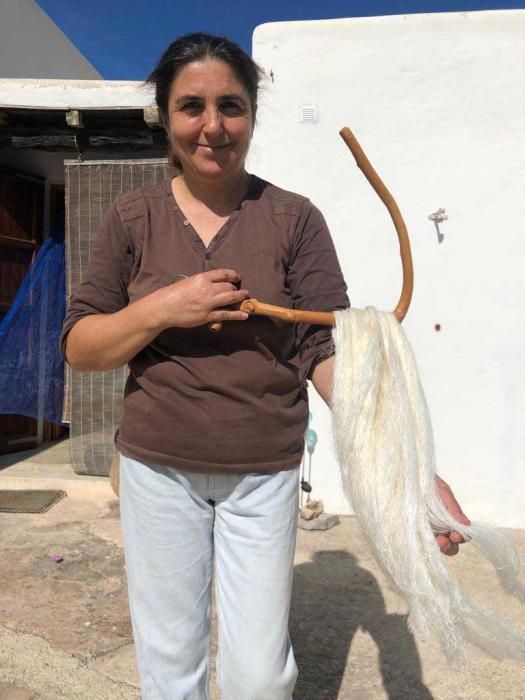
(309, 472)
(303, 480)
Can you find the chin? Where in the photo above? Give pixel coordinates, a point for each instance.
(218, 170)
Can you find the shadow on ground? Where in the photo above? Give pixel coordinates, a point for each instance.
(333, 598)
(58, 452)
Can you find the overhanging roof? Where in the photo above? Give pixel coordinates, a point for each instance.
(74, 94)
(79, 116)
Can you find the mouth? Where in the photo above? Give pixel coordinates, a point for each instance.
(214, 148)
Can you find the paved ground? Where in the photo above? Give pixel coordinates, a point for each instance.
(65, 632)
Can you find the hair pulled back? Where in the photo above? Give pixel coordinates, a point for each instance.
(199, 47)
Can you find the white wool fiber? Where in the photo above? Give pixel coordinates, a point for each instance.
(385, 448)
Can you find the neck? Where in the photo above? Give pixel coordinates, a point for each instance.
(219, 196)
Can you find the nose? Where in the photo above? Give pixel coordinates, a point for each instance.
(212, 121)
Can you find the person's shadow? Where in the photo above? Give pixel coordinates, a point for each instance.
(332, 598)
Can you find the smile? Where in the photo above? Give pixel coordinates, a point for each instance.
(214, 148)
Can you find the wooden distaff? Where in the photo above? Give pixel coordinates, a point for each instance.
(255, 307)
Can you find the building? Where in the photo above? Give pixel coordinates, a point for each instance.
(55, 107)
(32, 46)
(437, 102)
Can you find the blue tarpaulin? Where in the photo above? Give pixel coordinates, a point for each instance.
(31, 367)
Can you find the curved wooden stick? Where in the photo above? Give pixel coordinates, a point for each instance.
(404, 244)
(255, 307)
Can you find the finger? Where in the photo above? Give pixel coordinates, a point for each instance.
(229, 298)
(456, 537)
(220, 287)
(223, 275)
(223, 287)
(215, 317)
(449, 500)
(452, 550)
(446, 546)
(455, 510)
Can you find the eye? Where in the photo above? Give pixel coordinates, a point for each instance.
(232, 108)
(192, 106)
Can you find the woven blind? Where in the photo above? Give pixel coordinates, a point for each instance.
(93, 399)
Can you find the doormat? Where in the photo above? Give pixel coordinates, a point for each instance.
(28, 500)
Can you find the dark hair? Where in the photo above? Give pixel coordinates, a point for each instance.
(198, 47)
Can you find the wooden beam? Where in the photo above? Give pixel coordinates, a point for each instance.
(69, 140)
(63, 141)
(152, 117)
(74, 143)
(74, 119)
(137, 129)
(123, 140)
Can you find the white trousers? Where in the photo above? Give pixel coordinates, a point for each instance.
(176, 525)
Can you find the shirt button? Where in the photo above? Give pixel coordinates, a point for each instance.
(186, 222)
(175, 208)
(207, 256)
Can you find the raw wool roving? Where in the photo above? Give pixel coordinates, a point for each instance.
(384, 444)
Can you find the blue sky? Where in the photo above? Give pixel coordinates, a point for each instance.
(124, 38)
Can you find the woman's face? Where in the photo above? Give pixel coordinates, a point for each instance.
(210, 120)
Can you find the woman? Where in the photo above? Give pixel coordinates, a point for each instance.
(211, 435)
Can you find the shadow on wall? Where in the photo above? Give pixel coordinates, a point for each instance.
(333, 597)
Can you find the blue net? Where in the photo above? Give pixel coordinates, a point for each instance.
(31, 367)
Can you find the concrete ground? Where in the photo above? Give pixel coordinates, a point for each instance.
(65, 632)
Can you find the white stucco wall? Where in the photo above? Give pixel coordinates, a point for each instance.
(438, 103)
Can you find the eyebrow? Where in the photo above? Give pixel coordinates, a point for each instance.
(233, 96)
(186, 98)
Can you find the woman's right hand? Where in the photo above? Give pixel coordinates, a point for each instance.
(199, 299)
(100, 342)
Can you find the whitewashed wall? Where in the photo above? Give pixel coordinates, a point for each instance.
(438, 103)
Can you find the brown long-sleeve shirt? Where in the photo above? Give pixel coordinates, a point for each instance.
(233, 401)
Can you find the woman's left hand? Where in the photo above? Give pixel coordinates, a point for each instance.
(449, 542)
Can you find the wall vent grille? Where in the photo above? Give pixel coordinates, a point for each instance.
(309, 114)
